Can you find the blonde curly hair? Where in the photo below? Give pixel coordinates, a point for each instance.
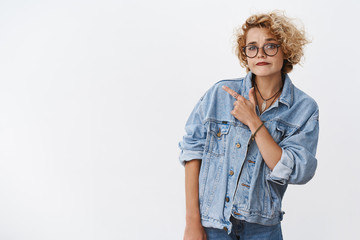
(291, 38)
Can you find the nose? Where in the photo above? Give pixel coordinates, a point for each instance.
(261, 53)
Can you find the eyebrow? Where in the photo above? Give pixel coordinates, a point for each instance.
(266, 40)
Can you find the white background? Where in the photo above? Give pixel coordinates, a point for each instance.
(94, 96)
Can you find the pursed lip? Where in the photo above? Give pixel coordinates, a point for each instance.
(262, 63)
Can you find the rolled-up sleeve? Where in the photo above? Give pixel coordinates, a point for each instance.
(192, 144)
(298, 163)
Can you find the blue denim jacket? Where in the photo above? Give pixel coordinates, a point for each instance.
(234, 179)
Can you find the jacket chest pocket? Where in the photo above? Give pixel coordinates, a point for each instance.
(217, 138)
(280, 130)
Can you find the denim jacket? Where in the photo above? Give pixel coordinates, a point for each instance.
(234, 179)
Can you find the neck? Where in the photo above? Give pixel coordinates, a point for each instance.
(269, 85)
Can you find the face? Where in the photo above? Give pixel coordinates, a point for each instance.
(263, 65)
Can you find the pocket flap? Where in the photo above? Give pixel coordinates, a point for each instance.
(219, 129)
(285, 129)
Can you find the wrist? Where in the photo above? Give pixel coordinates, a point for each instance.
(193, 219)
(254, 124)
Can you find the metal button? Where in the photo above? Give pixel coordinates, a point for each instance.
(236, 213)
(225, 228)
(227, 199)
(238, 145)
(219, 133)
(231, 172)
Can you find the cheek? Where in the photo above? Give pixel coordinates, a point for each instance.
(250, 61)
(280, 61)
(282, 57)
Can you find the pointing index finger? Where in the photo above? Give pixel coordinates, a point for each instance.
(232, 92)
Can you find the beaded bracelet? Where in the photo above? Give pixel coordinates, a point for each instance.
(253, 135)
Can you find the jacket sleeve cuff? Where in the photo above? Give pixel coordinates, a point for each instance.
(283, 169)
(188, 155)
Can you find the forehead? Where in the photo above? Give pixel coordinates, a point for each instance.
(258, 35)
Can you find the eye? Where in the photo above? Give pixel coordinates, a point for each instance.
(251, 48)
(270, 46)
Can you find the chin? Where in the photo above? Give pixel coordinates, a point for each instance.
(265, 73)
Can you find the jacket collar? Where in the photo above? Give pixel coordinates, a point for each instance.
(286, 96)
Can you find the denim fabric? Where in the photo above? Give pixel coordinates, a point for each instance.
(234, 179)
(245, 231)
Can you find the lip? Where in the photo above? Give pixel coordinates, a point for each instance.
(262, 63)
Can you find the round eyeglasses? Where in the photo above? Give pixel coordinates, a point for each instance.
(270, 49)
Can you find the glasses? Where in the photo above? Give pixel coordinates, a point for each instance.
(270, 49)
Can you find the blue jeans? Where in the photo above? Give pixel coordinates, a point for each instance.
(245, 231)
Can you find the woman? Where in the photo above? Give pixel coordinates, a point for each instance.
(248, 138)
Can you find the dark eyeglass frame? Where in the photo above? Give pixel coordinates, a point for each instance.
(263, 48)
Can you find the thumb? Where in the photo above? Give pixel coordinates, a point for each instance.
(252, 96)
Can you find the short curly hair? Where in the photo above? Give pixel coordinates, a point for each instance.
(291, 38)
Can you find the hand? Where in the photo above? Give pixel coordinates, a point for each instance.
(244, 110)
(194, 232)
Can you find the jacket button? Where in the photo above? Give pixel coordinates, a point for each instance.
(236, 213)
(227, 199)
(238, 145)
(225, 228)
(218, 134)
(231, 172)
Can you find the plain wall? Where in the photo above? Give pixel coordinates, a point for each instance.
(94, 96)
